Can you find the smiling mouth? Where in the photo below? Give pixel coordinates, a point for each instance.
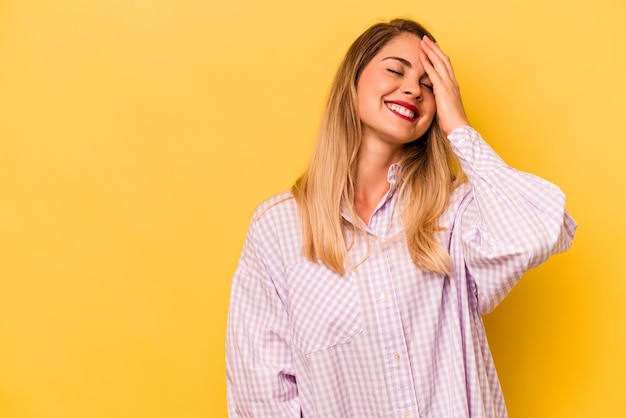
(402, 110)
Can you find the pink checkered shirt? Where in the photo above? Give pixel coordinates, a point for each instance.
(387, 339)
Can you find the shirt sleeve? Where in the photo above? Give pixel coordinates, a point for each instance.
(513, 221)
(260, 376)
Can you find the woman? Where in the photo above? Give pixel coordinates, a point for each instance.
(359, 293)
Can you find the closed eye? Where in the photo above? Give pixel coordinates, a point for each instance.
(427, 86)
(394, 71)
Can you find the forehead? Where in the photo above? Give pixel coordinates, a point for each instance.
(404, 45)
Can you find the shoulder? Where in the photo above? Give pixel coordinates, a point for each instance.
(458, 199)
(278, 207)
(276, 226)
(460, 193)
(277, 217)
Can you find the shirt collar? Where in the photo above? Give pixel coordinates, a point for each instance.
(392, 178)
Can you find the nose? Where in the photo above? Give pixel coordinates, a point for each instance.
(412, 89)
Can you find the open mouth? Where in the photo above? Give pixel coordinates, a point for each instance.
(404, 110)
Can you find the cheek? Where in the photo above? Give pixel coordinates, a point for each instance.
(370, 84)
(429, 105)
(361, 107)
(430, 112)
(365, 100)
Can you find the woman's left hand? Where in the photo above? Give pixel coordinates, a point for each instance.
(450, 111)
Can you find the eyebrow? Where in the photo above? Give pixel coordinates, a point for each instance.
(402, 60)
(406, 63)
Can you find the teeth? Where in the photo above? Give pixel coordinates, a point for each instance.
(401, 110)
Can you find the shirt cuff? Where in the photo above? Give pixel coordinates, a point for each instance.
(461, 135)
(476, 156)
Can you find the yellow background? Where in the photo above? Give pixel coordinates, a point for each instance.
(137, 136)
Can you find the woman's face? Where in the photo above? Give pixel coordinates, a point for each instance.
(395, 100)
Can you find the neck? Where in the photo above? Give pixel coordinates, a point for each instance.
(371, 179)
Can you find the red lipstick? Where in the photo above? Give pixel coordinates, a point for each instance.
(406, 105)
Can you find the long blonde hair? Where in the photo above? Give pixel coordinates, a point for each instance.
(428, 174)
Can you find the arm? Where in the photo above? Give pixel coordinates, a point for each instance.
(260, 377)
(512, 222)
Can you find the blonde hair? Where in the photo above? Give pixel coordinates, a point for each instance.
(428, 174)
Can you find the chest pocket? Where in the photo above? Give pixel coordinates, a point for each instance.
(323, 306)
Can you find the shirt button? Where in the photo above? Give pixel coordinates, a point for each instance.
(384, 296)
(407, 415)
(477, 164)
(462, 141)
(396, 356)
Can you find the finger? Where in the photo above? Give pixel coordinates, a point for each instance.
(430, 45)
(432, 73)
(439, 60)
(438, 65)
(437, 73)
(433, 51)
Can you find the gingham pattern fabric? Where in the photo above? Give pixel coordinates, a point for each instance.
(387, 339)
